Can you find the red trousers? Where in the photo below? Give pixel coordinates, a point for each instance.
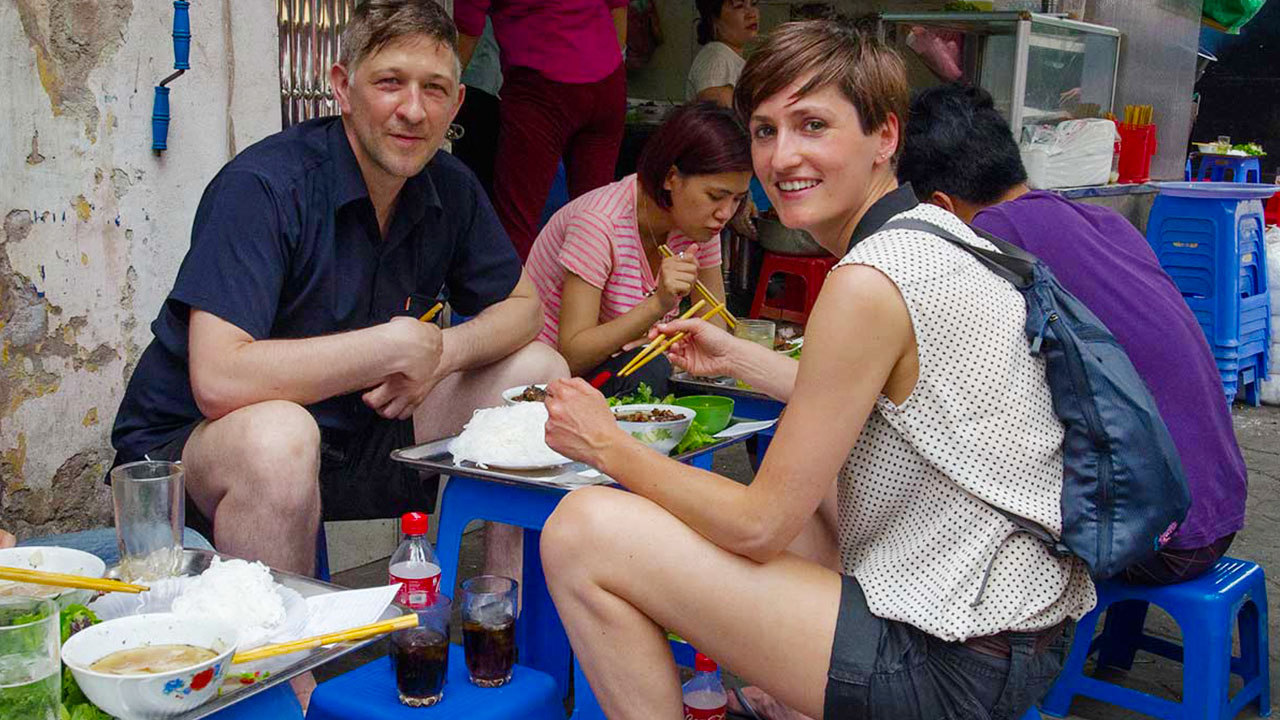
(541, 121)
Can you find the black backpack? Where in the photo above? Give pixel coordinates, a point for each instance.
(1124, 492)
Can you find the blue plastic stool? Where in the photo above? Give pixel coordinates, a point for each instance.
(1233, 592)
(369, 693)
(540, 638)
(278, 703)
(1243, 169)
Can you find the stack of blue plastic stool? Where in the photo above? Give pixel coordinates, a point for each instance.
(369, 693)
(1209, 237)
(1232, 593)
(1243, 169)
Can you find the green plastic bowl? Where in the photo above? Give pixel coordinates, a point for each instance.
(713, 411)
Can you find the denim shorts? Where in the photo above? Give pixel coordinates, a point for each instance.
(887, 669)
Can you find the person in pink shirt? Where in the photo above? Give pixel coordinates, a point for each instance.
(564, 93)
(597, 264)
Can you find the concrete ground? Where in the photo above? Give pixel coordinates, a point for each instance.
(1258, 432)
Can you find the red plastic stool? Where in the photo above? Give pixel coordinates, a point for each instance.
(810, 272)
(1272, 210)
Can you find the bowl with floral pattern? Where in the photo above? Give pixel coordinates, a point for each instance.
(146, 694)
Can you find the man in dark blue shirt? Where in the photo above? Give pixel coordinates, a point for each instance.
(289, 359)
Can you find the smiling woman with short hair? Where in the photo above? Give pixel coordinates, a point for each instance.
(916, 396)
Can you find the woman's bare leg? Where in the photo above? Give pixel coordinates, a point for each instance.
(621, 569)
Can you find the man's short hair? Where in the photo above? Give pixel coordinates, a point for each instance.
(867, 72)
(959, 144)
(377, 23)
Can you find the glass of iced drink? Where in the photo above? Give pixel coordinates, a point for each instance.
(489, 609)
(30, 664)
(420, 655)
(150, 509)
(760, 332)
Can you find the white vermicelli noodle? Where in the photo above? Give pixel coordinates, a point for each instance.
(512, 436)
(240, 593)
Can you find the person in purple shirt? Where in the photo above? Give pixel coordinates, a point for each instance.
(961, 156)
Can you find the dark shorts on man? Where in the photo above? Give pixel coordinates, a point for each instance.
(1170, 566)
(656, 374)
(358, 478)
(887, 669)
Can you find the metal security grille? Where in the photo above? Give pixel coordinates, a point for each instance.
(310, 33)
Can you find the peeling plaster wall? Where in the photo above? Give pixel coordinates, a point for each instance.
(95, 224)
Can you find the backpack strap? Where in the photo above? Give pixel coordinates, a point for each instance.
(1016, 266)
(1008, 261)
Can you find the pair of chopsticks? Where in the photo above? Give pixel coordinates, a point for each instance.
(1138, 115)
(644, 358)
(41, 577)
(357, 633)
(635, 361)
(599, 380)
(729, 319)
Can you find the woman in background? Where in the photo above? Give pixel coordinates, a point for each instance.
(724, 29)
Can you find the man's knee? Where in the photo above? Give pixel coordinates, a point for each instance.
(279, 447)
(538, 362)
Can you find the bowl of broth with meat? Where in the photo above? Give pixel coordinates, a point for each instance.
(661, 427)
(151, 666)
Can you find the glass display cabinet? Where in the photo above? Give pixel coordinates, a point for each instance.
(1038, 68)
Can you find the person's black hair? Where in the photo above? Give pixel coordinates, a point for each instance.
(959, 144)
(708, 13)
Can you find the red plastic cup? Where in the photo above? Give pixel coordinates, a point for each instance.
(1137, 146)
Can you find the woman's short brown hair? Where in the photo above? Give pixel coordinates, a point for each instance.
(700, 138)
(868, 72)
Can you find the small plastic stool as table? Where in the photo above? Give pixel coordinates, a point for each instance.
(1232, 593)
(540, 636)
(1244, 169)
(369, 693)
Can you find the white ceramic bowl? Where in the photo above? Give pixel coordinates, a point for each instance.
(59, 560)
(509, 395)
(661, 436)
(158, 696)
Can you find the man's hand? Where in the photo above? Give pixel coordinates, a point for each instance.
(7, 540)
(676, 277)
(415, 348)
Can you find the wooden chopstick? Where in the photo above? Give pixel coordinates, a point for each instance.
(356, 633)
(666, 344)
(430, 315)
(729, 319)
(658, 340)
(41, 577)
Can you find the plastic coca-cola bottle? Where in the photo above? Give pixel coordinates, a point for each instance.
(704, 695)
(414, 565)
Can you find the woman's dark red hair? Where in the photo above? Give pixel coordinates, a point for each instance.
(696, 139)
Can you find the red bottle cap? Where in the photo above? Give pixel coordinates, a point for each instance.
(702, 663)
(414, 523)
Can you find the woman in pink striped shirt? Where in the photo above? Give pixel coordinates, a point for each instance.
(597, 266)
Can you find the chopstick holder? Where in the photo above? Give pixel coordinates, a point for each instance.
(666, 344)
(41, 577)
(656, 341)
(357, 633)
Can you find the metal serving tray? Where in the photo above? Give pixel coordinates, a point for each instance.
(196, 561)
(682, 383)
(435, 457)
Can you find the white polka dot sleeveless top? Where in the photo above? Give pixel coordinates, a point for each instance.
(979, 423)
